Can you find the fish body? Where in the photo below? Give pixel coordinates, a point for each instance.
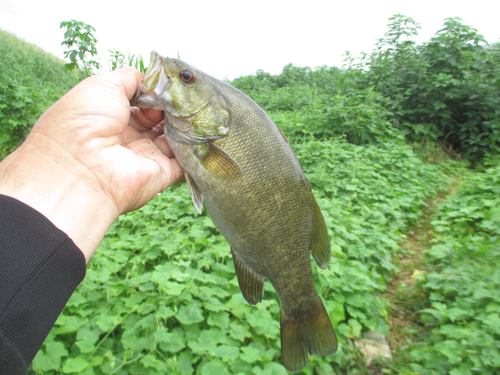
(241, 168)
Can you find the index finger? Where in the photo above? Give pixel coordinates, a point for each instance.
(144, 119)
(127, 79)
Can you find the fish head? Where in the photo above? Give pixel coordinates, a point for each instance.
(195, 110)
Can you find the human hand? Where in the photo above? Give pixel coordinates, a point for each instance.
(90, 157)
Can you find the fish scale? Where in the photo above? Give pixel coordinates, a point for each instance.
(241, 168)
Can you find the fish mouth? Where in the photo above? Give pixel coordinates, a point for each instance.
(152, 92)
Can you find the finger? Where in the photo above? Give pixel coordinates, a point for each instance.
(163, 145)
(127, 79)
(143, 119)
(153, 133)
(130, 135)
(171, 171)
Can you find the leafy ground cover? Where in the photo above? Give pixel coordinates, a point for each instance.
(161, 294)
(461, 292)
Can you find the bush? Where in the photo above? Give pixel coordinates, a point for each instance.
(320, 104)
(446, 90)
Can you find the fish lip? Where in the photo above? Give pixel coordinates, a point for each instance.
(158, 98)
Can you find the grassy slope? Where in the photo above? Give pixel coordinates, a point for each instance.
(33, 67)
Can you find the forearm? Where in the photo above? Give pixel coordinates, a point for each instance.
(39, 270)
(44, 176)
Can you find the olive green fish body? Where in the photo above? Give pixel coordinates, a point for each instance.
(240, 166)
(266, 207)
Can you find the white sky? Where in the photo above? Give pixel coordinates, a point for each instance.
(234, 38)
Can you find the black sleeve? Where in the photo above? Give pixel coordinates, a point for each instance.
(40, 267)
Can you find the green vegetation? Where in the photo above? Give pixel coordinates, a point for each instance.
(161, 295)
(445, 90)
(79, 36)
(31, 80)
(462, 298)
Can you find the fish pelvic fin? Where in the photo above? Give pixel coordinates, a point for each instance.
(215, 160)
(310, 332)
(195, 193)
(251, 283)
(320, 247)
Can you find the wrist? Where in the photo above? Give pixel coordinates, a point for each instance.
(46, 177)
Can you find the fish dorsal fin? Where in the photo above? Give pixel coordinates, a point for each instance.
(251, 283)
(195, 193)
(215, 160)
(320, 247)
(283, 134)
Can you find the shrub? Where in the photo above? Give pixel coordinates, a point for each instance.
(446, 90)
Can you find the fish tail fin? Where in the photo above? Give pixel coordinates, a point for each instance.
(310, 332)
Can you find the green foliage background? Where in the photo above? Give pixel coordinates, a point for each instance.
(31, 80)
(161, 295)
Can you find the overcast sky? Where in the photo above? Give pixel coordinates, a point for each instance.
(235, 38)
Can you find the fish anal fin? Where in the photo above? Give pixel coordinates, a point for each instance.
(251, 283)
(215, 160)
(195, 193)
(310, 332)
(320, 246)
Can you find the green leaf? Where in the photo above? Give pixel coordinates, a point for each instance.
(250, 355)
(146, 308)
(220, 319)
(77, 364)
(170, 342)
(151, 361)
(165, 312)
(271, 368)
(450, 349)
(185, 361)
(68, 324)
(227, 353)
(76, 300)
(239, 331)
(173, 288)
(212, 367)
(108, 322)
(190, 314)
(51, 358)
(259, 318)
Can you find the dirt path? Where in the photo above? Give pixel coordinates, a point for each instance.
(403, 297)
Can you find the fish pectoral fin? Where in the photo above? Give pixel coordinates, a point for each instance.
(215, 160)
(251, 283)
(195, 193)
(320, 247)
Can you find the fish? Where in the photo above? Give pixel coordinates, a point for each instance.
(240, 167)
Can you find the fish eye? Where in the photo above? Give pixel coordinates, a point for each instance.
(187, 76)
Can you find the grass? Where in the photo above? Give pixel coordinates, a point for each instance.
(31, 80)
(31, 66)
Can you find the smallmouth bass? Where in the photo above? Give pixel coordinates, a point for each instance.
(241, 168)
